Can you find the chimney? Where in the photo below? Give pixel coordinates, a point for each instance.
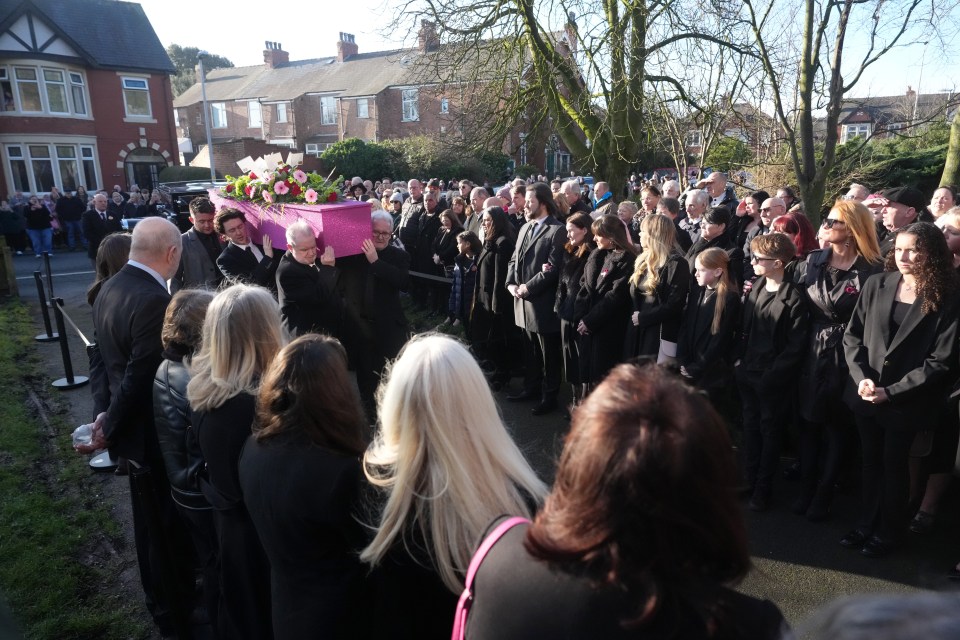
(911, 93)
(427, 37)
(346, 47)
(274, 55)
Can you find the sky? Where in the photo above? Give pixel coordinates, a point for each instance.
(238, 32)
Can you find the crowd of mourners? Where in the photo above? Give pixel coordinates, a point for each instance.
(289, 498)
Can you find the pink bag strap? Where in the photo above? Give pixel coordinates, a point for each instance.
(466, 598)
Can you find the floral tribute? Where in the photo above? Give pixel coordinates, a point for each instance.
(287, 183)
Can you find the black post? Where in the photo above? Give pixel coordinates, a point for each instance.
(46, 263)
(70, 381)
(49, 336)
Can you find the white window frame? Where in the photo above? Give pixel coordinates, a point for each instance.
(254, 121)
(857, 130)
(78, 93)
(83, 154)
(136, 84)
(71, 85)
(218, 121)
(328, 110)
(410, 105)
(363, 108)
(17, 81)
(313, 149)
(176, 118)
(694, 139)
(55, 85)
(281, 112)
(444, 105)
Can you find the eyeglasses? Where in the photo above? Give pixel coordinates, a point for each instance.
(382, 234)
(755, 259)
(829, 223)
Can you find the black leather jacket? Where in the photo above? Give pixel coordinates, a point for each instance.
(178, 440)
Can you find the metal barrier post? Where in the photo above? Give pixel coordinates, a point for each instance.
(46, 263)
(49, 336)
(70, 381)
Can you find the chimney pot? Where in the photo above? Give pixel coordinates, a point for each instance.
(274, 55)
(346, 46)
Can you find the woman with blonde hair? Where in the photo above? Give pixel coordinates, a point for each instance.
(658, 291)
(445, 467)
(602, 308)
(832, 279)
(242, 334)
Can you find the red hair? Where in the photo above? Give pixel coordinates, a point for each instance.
(800, 231)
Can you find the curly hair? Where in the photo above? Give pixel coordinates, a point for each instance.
(937, 280)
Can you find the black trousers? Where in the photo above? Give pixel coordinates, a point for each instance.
(543, 363)
(885, 441)
(765, 417)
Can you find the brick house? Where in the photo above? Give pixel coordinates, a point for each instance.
(883, 116)
(307, 105)
(77, 110)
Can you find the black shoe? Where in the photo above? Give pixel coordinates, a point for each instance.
(523, 396)
(855, 538)
(545, 407)
(877, 547)
(923, 522)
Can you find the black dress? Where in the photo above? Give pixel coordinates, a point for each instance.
(705, 355)
(492, 321)
(517, 597)
(603, 304)
(660, 312)
(568, 286)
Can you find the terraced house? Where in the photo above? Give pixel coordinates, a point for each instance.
(86, 97)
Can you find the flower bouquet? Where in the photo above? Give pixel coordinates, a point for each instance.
(273, 199)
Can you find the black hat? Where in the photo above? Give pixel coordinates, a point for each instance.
(358, 185)
(718, 215)
(907, 196)
(434, 183)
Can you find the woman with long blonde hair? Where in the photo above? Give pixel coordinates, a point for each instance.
(658, 291)
(445, 467)
(832, 279)
(242, 334)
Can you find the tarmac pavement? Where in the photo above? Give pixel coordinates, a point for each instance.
(798, 565)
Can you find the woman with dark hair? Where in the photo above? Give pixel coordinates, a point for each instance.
(713, 233)
(649, 199)
(901, 346)
(464, 286)
(789, 197)
(832, 280)
(602, 307)
(445, 251)
(112, 254)
(493, 309)
(658, 291)
(579, 245)
(641, 535)
(300, 474)
(183, 462)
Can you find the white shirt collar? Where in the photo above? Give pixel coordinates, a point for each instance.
(156, 275)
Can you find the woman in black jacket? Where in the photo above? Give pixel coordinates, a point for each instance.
(658, 290)
(579, 245)
(301, 479)
(901, 347)
(493, 310)
(602, 308)
(445, 251)
(183, 462)
(714, 232)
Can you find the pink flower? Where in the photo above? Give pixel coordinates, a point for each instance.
(268, 196)
(280, 187)
(850, 289)
(310, 196)
(299, 176)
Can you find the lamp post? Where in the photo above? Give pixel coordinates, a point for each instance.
(206, 114)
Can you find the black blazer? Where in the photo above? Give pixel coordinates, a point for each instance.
(95, 229)
(660, 312)
(914, 365)
(707, 356)
(308, 298)
(780, 359)
(128, 318)
(536, 262)
(239, 265)
(492, 263)
(722, 242)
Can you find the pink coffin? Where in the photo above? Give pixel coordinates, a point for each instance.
(343, 226)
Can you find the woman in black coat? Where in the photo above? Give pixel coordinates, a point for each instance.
(241, 335)
(301, 478)
(445, 251)
(493, 309)
(579, 245)
(714, 232)
(832, 280)
(602, 307)
(901, 347)
(658, 291)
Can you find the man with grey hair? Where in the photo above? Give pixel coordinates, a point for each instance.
(698, 201)
(770, 210)
(128, 320)
(571, 191)
(671, 189)
(603, 201)
(716, 185)
(857, 192)
(306, 285)
(408, 228)
(476, 197)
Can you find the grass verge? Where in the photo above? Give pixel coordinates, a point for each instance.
(57, 570)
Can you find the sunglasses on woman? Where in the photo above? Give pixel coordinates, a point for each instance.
(829, 223)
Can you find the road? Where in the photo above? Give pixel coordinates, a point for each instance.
(798, 565)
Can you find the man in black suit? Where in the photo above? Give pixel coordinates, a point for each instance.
(306, 285)
(243, 261)
(532, 276)
(128, 320)
(201, 248)
(375, 327)
(97, 224)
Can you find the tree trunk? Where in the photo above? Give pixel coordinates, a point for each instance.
(951, 171)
